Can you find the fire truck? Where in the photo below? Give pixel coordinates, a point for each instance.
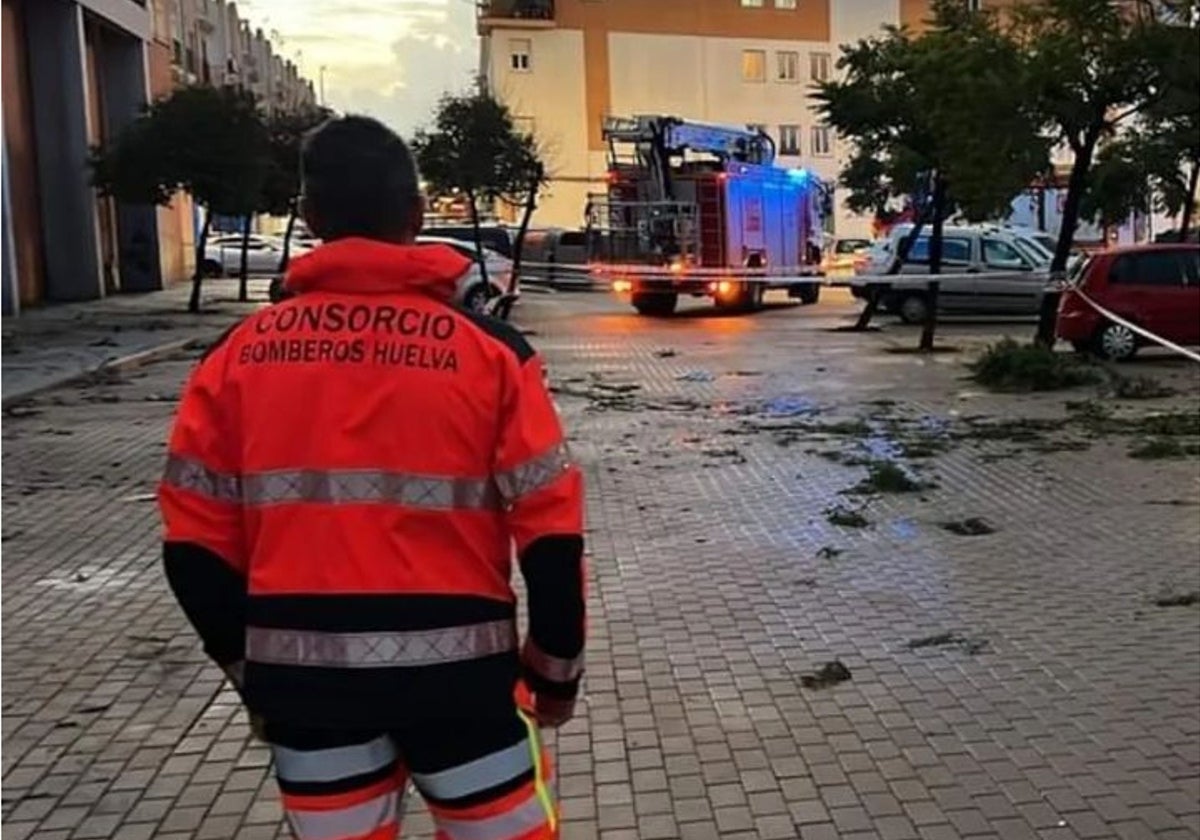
(699, 209)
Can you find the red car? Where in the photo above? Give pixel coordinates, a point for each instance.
(1155, 287)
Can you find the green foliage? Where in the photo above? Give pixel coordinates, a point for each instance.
(949, 100)
(887, 477)
(1161, 448)
(285, 133)
(473, 147)
(1009, 366)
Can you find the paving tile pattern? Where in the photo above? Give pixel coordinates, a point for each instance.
(1064, 704)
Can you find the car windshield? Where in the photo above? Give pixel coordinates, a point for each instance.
(1079, 270)
(849, 246)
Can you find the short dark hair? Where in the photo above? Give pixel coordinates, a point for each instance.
(359, 180)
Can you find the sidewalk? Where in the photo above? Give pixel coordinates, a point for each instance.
(49, 346)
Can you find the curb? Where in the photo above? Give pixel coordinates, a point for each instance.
(130, 361)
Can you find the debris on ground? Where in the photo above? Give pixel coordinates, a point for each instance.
(828, 552)
(846, 517)
(1184, 600)
(1011, 367)
(831, 673)
(886, 477)
(966, 644)
(1162, 448)
(972, 526)
(1137, 387)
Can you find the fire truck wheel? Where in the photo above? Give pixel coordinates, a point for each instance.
(655, 304)
(810, 294)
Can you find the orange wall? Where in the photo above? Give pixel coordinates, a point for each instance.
(707, 18)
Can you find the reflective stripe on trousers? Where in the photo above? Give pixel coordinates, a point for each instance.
(375, 814)
(400, 649)
(368, 486)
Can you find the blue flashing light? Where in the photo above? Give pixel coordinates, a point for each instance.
(798, 174)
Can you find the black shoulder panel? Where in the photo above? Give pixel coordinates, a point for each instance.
(502, 332)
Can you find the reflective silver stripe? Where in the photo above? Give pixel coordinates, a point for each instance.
(479, 775)
(354, 821)
(553, 668)
(195, 477)
(369, 486)
(534, 473)
(330, 765)
(275, 646)
(516, 823)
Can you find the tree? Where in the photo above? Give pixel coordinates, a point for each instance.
(524, 176)
(281, 187)
(473, 148)
(1154, 166)
(943, 111)
(1092, 66)
(209, 142)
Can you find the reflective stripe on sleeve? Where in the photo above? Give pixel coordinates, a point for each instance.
(526, 817)
(477, 776)
(553, 668)
(334, 763)
(533, 474)
(277, 646)
(193, 476)
(354, 821)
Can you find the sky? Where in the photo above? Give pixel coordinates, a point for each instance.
(390, 59)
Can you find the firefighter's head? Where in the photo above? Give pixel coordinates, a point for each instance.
(360, 180)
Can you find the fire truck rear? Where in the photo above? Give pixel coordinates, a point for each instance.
(700, 209)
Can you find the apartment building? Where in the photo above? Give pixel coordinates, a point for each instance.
(74, 72)
(563, 65)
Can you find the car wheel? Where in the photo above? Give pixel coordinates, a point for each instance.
(211, 268)
(913, 309)
(477, 297)
(1116, 342)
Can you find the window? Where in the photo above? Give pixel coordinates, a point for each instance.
(523, 125)
(1150, 269)
(785, 4)
(787, 66)
(973, 5)
(821, 144)
(752, 4)
(818, 67)
(519, 53)
(954, 251)
(789, 139)
(999, 254)
(754, 66)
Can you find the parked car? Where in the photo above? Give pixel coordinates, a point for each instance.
(845, 256)
(473, 293)
(1155, 287)
(992, 272)
(494, 237)
(223, 254)
(557, 258)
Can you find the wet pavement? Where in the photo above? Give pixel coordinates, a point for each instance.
(837, 591)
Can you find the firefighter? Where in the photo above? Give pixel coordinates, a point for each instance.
(350, 475)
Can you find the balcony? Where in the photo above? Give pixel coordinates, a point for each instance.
(515, 14)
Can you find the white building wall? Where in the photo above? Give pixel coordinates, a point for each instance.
(552, 93)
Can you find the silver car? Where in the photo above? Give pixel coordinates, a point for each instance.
(987, 271)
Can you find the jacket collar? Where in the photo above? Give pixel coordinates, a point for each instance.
(369, 266)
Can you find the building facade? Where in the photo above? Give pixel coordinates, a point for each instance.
(563, 65)
(74, 73)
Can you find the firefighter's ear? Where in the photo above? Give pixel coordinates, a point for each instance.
(416, 220)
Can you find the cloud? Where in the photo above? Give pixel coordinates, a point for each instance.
(391, 59)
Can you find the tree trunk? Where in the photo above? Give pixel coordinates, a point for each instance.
(1189, 205)
(244, 268)
(287, 238)
(929, 328)
(1076, 184)
(198, 274)
(522, 230)
(478, 240)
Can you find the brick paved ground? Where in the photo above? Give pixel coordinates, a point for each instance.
(1046, 695)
